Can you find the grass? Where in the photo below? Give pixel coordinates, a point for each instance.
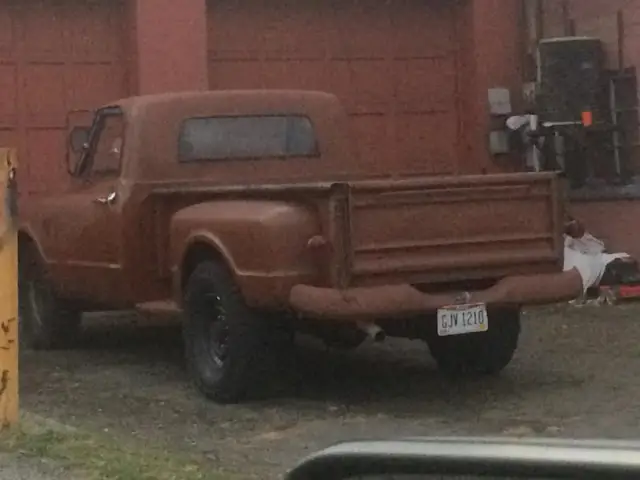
(99, 456)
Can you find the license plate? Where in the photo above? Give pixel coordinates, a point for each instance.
(462, 319)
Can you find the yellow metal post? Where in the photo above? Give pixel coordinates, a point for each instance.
(8, 290)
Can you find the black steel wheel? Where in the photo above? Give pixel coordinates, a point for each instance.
(227, 344)
(45, 321)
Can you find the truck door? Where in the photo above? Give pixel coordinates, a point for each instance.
(86, 223)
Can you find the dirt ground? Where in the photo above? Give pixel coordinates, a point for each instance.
(576, 374)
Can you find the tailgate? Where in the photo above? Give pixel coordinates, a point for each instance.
(445, 229)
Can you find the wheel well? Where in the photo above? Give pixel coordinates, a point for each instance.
(24, 239)
(26, 244)
(28, 253)
(196, 254)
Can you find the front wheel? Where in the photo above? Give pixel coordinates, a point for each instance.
(226, 342)
(479, 353)
(45, 321)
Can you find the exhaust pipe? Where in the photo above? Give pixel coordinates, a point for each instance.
(373, 331)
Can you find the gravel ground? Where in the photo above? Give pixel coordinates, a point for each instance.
(575, 375)
(17, 468)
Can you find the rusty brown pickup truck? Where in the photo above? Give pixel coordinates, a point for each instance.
(247, 212)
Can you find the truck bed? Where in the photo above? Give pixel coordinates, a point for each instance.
(445, 229)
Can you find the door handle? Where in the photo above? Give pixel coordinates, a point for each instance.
(108, 200)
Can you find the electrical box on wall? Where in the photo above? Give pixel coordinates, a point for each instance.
(500, 101)
(499, 142)
(499, 109)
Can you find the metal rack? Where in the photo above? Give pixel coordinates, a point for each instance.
(623, 104)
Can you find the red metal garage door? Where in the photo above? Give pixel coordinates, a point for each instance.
(55, 57)
(392, 63)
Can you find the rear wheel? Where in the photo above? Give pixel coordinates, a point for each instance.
(228, 346)
(478, 353)
(46, 321)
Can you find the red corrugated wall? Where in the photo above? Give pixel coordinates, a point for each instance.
(393, 64)
(55, 57)
(413, 74)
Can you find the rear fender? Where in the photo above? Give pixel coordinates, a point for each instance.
(263, 242)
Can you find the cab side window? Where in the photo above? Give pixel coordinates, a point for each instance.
(107, 147)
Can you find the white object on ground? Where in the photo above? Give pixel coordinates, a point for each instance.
(587, 255)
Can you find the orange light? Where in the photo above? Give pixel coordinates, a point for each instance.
(587, 119)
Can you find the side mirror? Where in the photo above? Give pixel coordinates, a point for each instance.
(472, 459)
(79, 139)
(78, 143)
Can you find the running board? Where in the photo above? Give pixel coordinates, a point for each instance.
(159, 307)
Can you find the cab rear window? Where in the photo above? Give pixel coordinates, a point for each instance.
(219, 138)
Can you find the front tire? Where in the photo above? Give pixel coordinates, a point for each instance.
(226, 342)
(483, 353)
(46, 322)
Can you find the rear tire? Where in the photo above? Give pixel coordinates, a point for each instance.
(483, 353)
(228, 346)
(46, 322)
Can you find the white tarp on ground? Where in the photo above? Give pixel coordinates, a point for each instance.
(587, 255)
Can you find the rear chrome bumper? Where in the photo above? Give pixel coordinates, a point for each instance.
(398, 301)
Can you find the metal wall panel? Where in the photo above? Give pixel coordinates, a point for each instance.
(393, 64)
(56, 57)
